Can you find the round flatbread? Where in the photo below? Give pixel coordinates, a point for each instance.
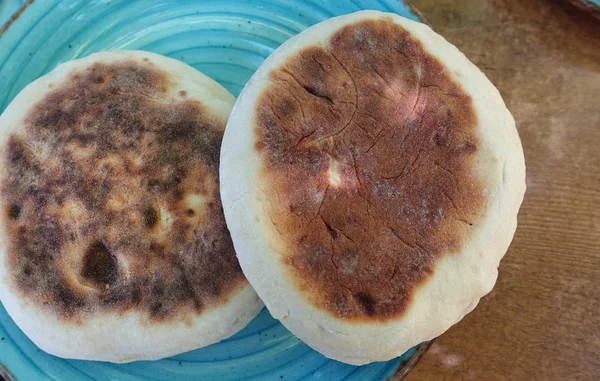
(113, 244)
(371, 178)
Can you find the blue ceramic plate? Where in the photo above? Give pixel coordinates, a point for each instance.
(227, 40)
(8, 8)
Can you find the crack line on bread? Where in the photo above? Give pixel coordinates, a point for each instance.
(312, 92)
(438, 165)
(356, 99)
(414, 106)
(304, 119)
(356, 171)
(397, 235)
(393, 274)
(383, 78)
(438, 88)
(407, 170)
(322, 201)
(335, 230)
(458, 212)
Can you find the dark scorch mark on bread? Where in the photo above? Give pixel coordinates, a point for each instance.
(111, 199)
(369, 145)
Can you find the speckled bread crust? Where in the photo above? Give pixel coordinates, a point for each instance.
(113, 241)
(379, 174)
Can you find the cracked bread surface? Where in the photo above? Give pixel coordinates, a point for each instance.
(383, 175)
(370, 147)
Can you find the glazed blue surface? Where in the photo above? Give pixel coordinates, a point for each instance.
(8, 8)
(227, 40)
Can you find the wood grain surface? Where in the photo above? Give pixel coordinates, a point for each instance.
(542, 320)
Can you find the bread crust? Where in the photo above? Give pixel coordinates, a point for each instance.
(371, 179)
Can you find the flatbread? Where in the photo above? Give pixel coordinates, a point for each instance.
(371, 178)
(113, 243)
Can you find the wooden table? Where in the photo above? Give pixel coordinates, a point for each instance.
(542, 321)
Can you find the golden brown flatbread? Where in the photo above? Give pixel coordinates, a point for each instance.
(371, 178)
